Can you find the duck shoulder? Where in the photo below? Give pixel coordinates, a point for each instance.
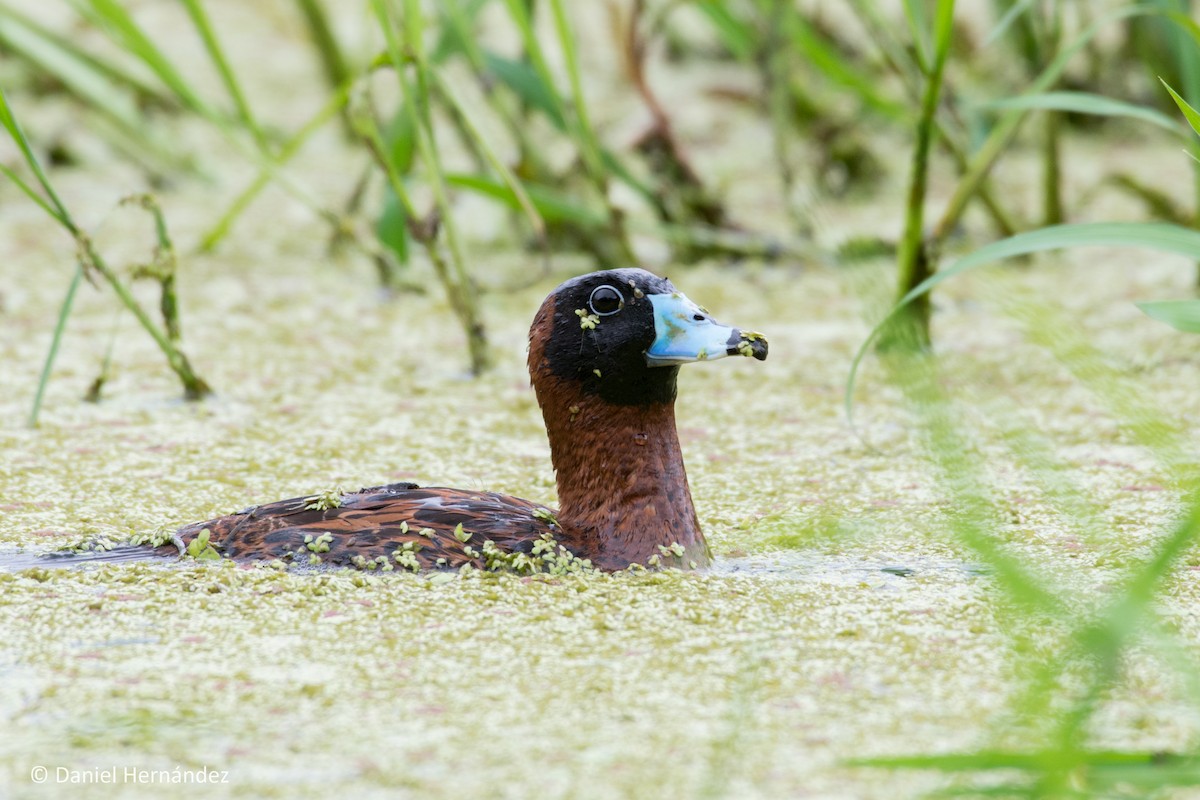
(400, 525)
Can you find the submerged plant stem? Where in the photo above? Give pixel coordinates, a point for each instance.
(194, 387)
(164, 268)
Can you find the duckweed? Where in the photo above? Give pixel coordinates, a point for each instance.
(330, 498)
(318, 544)
(755, 678)
(199, 548)
(587, 320)
(406, 557)
(545, 514)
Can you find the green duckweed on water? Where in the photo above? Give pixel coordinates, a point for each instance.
(843, 618)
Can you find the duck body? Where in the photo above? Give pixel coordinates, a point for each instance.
(398, 526)
(604, 356)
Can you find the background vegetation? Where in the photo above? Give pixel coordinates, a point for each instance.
(450, 105)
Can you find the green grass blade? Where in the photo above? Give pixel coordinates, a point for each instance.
(521, 77)
(1007, 127)
(622, 173)
(333, 59)
(1106, 773)
(961, 476)
(364, 125)
(997, 759)
(597, 168)
(514, 185)
(400, 135)
(194, 386)
(64, 312)
(1186, 23)
(557, 206)
(841, 71)
(1084, 103)
(526, 83)
(533, 49)
(1189, 113)
(79, 73)
(111, 17)
(115, 95)
(1183, 44)
(92, 85)
(1034, 453)
(52, 204)
(579, 123)
(452, 272)
(1155, 236)
(58, 211)
(1005, 22)
(245, 112)
(552, 205)
(391, 227)
(457, 33)
(739, 38)
(589, 144)
(54, 48)
(31, 193)
(918, 28)
(1055, 69)
(896, 53)
(1183, 315)
(270, 166)
(1139, 589)
(912, 259)
(1098, 641)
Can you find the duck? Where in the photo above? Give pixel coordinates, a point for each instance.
(605, 350)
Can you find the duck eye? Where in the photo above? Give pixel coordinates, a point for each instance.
(606, 300)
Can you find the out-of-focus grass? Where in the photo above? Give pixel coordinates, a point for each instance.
(1056, 722)
(1057, 759)
(808, 67)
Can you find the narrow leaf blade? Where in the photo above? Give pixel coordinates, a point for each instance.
(1189, 113)
(1182, 315)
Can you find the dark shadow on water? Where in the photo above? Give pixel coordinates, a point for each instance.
(23, 560)
(812, 564)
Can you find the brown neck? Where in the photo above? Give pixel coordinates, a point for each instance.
(622, 490)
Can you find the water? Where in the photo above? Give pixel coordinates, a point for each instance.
(787, 565)
(56, 559)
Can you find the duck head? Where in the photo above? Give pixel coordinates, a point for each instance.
(604, 357)
(621, 335)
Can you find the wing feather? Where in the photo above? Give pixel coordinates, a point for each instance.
(379, 525)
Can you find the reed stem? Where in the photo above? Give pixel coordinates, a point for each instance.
(914, 261)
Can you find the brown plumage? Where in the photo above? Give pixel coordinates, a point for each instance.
(603, 361)
(376, 526)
